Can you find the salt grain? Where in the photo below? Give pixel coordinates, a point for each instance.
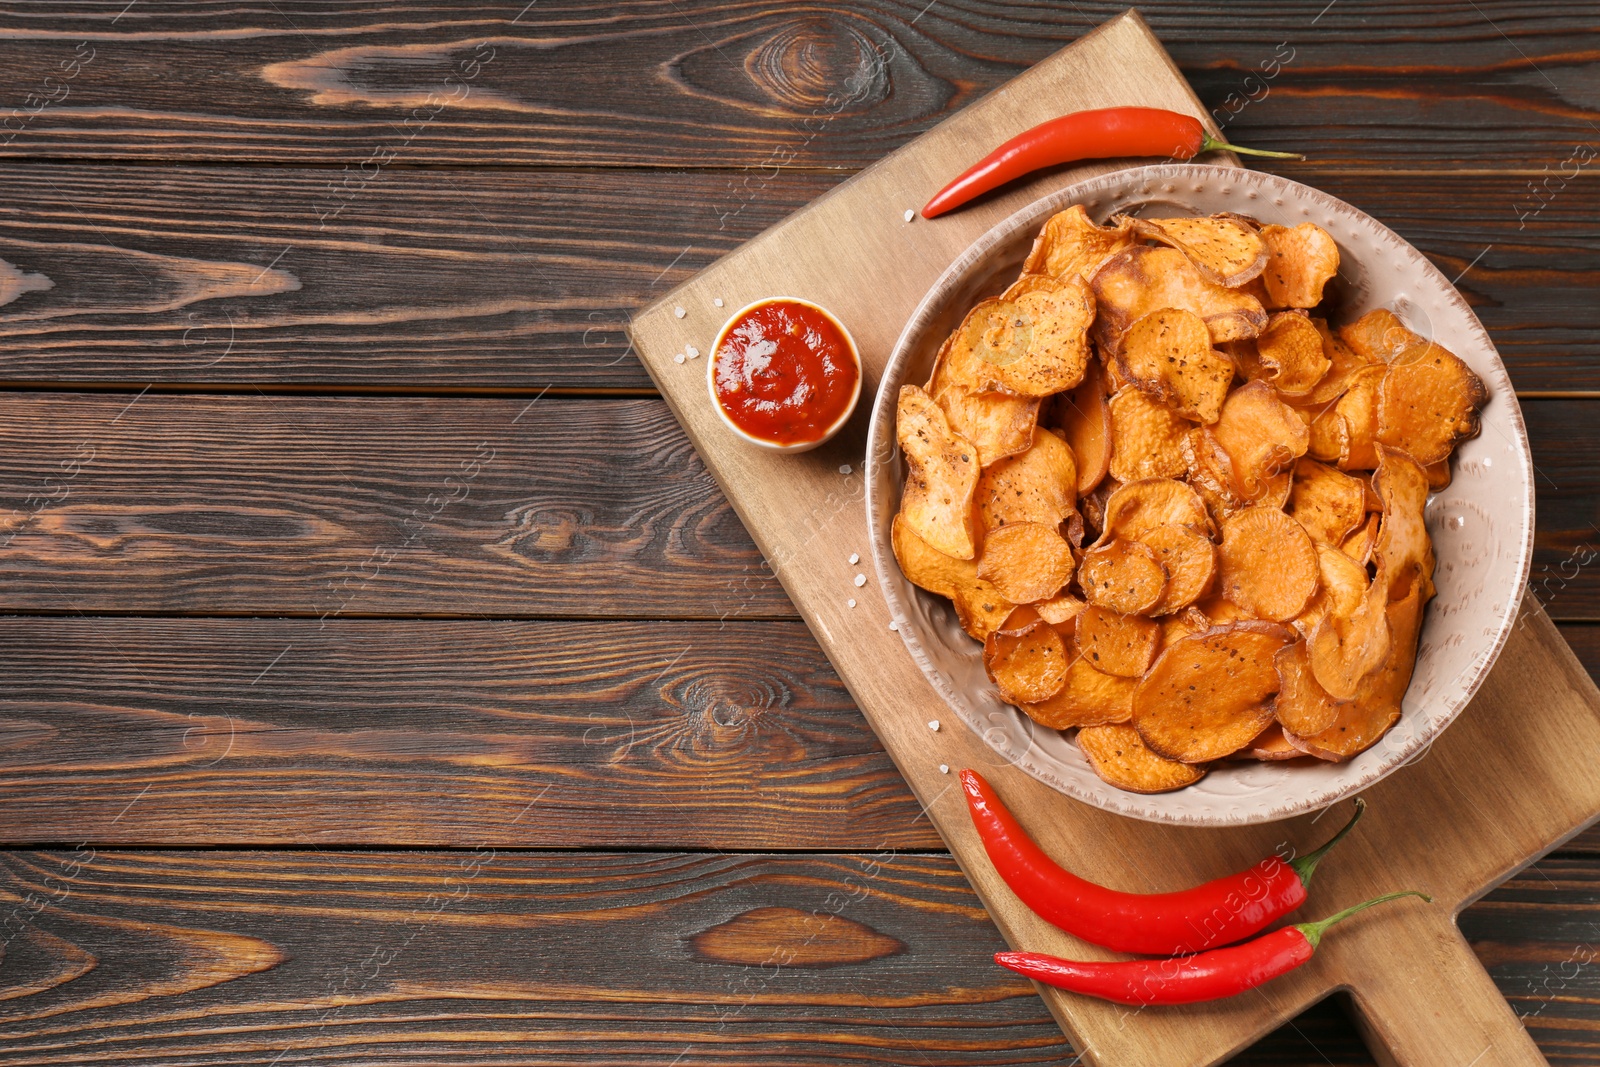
(694, 353)
(910, 214)
(933, 724)
(944, 768)
(679, 312)
(717, 302)
(861, 580)
(851, 602)
(894, 626)
(855, 557)
(844, 468)
(678, 358)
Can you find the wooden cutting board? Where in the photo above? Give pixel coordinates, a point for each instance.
(1511, 779)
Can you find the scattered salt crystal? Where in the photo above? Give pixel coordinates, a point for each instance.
(861, 580)
(855, 557)
(944, 768)
(678, 358)
(910, 214)
(851, 602)
(894, 625)
(933, 724)
(717, 302)
(844, 468)
(694, 353)
(679, 312)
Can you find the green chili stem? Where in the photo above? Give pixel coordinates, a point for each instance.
(1305, 865)
(1209, 143)
(1313, 931)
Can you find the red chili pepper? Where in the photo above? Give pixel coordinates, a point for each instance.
(1222, 972)
(1219, 912)
(1104, 134)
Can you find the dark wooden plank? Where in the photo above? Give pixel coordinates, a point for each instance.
(358, 505)
(447, 280)
(366, 732)
(714, 82)
(505, 958)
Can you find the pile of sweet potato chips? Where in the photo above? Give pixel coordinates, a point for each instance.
(1183, 513)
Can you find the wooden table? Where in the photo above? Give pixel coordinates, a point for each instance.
(385, 679)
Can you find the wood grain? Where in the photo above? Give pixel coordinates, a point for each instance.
(717, 83)
(447, 281)
(394, 733)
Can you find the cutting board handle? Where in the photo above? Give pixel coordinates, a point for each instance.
(1432, 1004)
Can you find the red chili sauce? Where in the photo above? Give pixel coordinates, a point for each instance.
(784, 372)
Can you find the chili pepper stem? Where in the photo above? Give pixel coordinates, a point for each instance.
(1305, 865)
(1313, 931)
(1209, 143)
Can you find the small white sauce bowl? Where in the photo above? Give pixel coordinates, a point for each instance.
(711, 375)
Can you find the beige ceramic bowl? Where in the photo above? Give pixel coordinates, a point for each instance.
(735, 428)
(1482, 524)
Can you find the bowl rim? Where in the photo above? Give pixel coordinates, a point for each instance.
(741, 432)
(882, 451)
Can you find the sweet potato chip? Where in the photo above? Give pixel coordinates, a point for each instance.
(1269, 746)
(1026, 561)
(1428, 402)
(1039, 485)
(1093, 505)
(1125, 576)
(1345, 649)
(1267, 563)
(1145, 278)
(1190, 560)
(1260, 435)
(1343, 363)
(1361, 722)
(979, 606)
(1378, 336)
(1118, 644)
(1034, 341)
(1327, 435)
(1136, 508)
(1190, 620)
(1221, 611)
(1146, 438)
(1403, 550)
(1226, 251)
(1300, 262)
(1303, 706)
(1291, 352)
(998, 425)
(1085, 420)
(1358, 411)
(1026, 665)
(1438, 475)
(1118, 755)
(1358, 546)
(1210, 693)
(1328, 503)
(1168, 355)
(1058, 611)
(1088, 698)
(1072, 246)
(941, 476)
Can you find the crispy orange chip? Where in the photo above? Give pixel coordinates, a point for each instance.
(1300, 262)
(1190, 560)
(1362, 721)
(1378, 336)
(1269, 746)
(941, 476)
(1209, 694)
(998, 425)
(979, 606)
(1268, 565)
(1327, 436)
(1290, 350)
(1039, 485)
(1059, 610)
(1358, 411)
(1072, 246)
(1438, 475)
(1026, 665)
(1125, 576)
(1118, 755)
(1118, 644)
(1085, 420)
(1226, 251)
(1343, 363)
(1190, 620)
(1358, 546)
(1303, 706)
(1260, 435)
(1034, 341)
(1403, 550)
(1328, 503)
(1345, 649)
(1136, 508)
(1145, 278)
(1026, 561)
(1428, 402)
(1146, 438)
(1168, 354)
(1088, 698)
